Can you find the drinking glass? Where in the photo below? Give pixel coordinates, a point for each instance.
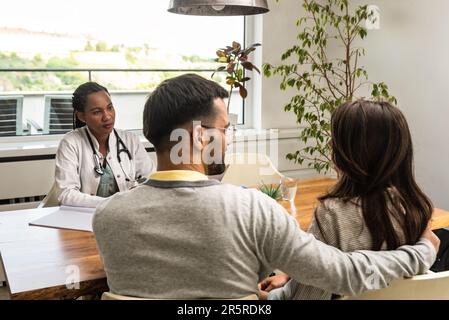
(289, 186)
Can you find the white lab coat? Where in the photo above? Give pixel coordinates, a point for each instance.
(75, 176)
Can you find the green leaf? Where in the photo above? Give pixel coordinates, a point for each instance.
(291, 82)
(271, 190)
(239, 73)
(230, 81)
(363, 33)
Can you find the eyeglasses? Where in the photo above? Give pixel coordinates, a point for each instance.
(227, 131)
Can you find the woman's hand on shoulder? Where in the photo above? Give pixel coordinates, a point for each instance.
(429, 235)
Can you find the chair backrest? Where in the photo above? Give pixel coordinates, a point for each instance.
(11, 115)
(250, 169)
(58, 118)
(431, 286)
(113, 296)
(51, 199)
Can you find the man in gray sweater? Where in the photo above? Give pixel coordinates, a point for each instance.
(180, 235)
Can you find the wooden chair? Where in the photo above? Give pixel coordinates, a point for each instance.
(250, 169)
(430, 286)
(113, 296)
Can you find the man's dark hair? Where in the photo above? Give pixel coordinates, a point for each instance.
(176, 102)
(79, 99)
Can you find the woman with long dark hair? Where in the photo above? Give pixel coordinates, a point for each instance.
(376, 203)
(95, 160)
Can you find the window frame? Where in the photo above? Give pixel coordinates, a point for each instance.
(250, 106)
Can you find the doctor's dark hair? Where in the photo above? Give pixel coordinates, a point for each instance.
(176, 102)
(79, 99)
(373, 154)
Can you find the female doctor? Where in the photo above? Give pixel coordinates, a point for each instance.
(95, 160)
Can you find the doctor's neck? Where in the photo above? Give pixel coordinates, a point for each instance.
(103, 143)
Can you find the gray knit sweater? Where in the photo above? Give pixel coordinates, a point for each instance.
(204, 239)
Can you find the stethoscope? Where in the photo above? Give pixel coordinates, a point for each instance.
(98, 167)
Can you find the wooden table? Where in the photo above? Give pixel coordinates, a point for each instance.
(39, 261)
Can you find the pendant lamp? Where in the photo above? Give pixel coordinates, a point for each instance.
(218, 7)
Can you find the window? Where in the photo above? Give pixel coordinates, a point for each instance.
(129, 47)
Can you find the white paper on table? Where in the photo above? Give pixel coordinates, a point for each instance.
(65, 217)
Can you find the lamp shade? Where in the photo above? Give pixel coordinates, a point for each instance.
(218, 7)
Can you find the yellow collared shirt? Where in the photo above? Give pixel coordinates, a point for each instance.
(178, 175)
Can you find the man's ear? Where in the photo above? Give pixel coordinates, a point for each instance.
(80, 116)
(197, 137)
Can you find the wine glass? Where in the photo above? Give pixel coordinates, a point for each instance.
(289, 187)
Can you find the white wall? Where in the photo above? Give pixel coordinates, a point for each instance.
(279, 34)
(410, 53)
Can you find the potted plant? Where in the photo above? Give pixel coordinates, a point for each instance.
(322, 82)
(236, 59)
(271, 190)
